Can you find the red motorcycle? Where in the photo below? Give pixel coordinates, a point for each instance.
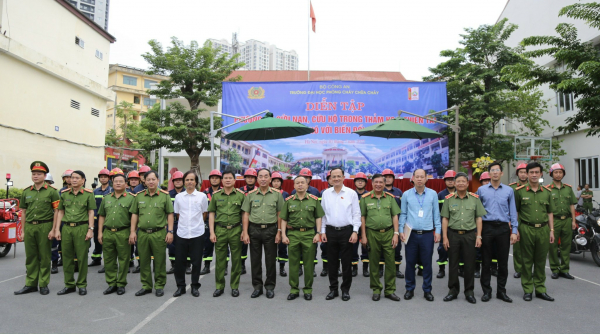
(11, 229)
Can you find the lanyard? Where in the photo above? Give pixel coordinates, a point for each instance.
(421, 198)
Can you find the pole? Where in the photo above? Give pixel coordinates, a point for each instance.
(212, 142)
(456, 139)
(309, 25)
(161, 163)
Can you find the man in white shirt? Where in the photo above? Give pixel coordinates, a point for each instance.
(340, 230)
(191, 207)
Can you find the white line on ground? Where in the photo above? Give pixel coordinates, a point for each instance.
(10, 279)
(583, 279)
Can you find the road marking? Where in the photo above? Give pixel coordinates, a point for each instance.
(583, 279)
(160, 309)
(10, 279)
(116, 312)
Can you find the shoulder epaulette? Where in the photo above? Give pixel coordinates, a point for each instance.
(449, 195)
(141, 191)
(238, 190)
(547, 187)
(511, 184)
(88, 190)
(289, 197)
(53, 187)
(164, 192)
(273, 190)
(132, 194)
(65, 190)
(215, 192)
(253, 191)
(474, 195)
(519, 187)
(568, 185)
(313, 197)
(365, 195)
(28, 187)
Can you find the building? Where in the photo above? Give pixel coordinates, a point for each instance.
(252, 155)
(540, 18)
(54, 65)
(259, 56)
(96, 10)
(331, 157)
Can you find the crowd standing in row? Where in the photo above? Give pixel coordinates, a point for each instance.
(131, 218)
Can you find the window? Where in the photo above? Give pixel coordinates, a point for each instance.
(588, 172)
(99, 55)
(147, 83)
(75, 104)
(91, 2)
(79, 42)
(86, 7)
(245, 161)
(95, 112)
(129, 81)
(90, 16)
(149, 102)
(136, 100)
(264, 155)
(564, 102)
(109, 115)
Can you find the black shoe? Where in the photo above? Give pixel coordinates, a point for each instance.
(380, 270)
(471, 299)
(282, 272)
(101, 271)
(393, 297)
(420, 271)
(195, 292)
(235, 293)
(26, 289)
(517, 275)
(308, 296)
(188, 270)
(428, 296)
(376, 297)
(143, 292)
(159, 292)
(270, 294)
(243, 270)
(477, 274)
(365, 269)
(300, 272)
(449, 297)
(441, 273)
(345, 296)
(65, 291)
(218, 293)
(324, 272)
(180, 291)
(544, 296)
(121, 290)
(332, 294)
(503, 297)
(95, 263)
(554, 276)
(527, 297)
(292, 296)
(44, 290)
(136, 270)
(566, 275)
(111, 289)
(206, 269)
(399, 273)
(54, 269)
(256, 293)
(82, 291)
(486, 297)
(494, 271)
(340, 271)
(354, 270)
(409, 294)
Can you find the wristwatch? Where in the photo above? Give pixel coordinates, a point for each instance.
(479, 237)
(171, 231)
(278, 230)
(397, 233)
(318, 232)
(91, 228)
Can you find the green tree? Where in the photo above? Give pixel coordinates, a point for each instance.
(577, 71)
(317, 168)
(234, 158)
(195, 74)
(363, 167)
(436, 163)
(288, 157)
(475, 83)
(351, 164)
(408, 167)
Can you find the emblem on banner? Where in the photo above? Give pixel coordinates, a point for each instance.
(413, 93)
(256, 93)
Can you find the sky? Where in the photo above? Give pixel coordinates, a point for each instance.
(351, 35)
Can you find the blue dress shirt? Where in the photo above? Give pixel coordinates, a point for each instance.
(412, 203)
(499, 204)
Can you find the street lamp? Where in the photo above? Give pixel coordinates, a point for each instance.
(8, 183)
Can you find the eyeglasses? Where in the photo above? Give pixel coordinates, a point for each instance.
(495, 171)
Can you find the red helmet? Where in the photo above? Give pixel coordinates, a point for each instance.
(520, 166)
(305, 172)
(250, 172)
(484, 176)
(177, 175)
(215, 172)
(133, 174)
(360, 175)
(328, 175)
(449, 174)
(116, 171)
(104, 171)
(277, 175)
(388, 171)
(68, 172)
(557, 166)
(145, 169)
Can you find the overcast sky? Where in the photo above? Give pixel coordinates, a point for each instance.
(374, 35)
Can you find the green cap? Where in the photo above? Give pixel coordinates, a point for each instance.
(39, 166)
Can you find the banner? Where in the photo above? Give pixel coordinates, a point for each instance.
(335, 109)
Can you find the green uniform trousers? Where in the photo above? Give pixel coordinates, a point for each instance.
(301, 249)
(562, 231)
(535, 242)
(228, 238)
(588, 206)
(153, 245)
(381, 244)
(74, 246)
(517, 257)
(38, 254)
(116, 248)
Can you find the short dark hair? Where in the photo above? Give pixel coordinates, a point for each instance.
(191, 172)
(336, 168)
(119, 175)
(418, 169)
(533, 165)
(304, 177)
(495, 163)
(461, 174)
(260, 170)
(228, 172)
(80, 173)
(376, 176)
(151, 172)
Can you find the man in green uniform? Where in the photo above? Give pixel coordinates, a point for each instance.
(517, 258)
(225, 211)
(379, 229)
(38, 205)
(114, 224)
(77, 205)
(461, 228)
(261, 225)
(154, 211)
(587, 195)
(536, 232)
(564, 222)
(300, 214)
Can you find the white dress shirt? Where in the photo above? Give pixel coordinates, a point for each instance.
(341, 209)
(190, 208)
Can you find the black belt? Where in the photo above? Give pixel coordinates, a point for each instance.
(301, 229)
(563, 216)
(339, 228)
(37, 222)
(462, 231)
(263, 225)
(115, 229)
(75, 224)
(535, 225)
(151, 230)
(229, 227)
(497, 222)
(381, 230)
(422, 231)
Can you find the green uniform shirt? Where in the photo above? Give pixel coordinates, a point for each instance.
(152, 210)
(77, 205)
(587, 192)
(263, 208)
(563, 198)
(515, 185)
(378, 211)
(40, 204)
(227, 207)
(302, 212)
(461, 212)
(533, 207)
(116, 210)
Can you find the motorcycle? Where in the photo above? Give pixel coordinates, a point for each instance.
(586, 238)
(11, 230)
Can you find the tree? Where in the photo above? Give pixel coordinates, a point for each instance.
(475, 83)
(318, 166)
(436, 163)
(195, 74)
(288, 157)
(408, 166)
(351, 164)
(363, 167)
(234, 158)
(578, 70)
(130, 133)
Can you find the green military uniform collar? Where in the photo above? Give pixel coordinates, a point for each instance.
(82, 190)
(158, 191)
(45, 186)
(455, 194)
(372, 193)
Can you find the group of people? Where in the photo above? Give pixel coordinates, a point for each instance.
(130, 217)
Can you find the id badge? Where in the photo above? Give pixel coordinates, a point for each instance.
(421, 213)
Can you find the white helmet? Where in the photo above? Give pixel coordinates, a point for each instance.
(49, 178)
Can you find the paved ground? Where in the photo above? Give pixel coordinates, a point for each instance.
(573, 311)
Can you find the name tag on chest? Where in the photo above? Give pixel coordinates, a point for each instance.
(421, 213)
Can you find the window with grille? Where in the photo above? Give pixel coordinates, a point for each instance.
(564, 102)
(95, 112)
(588, 172)
(75, 104)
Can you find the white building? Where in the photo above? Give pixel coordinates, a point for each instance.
(96, 10)
(260, 56)
(53, 88)
(540, 18)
